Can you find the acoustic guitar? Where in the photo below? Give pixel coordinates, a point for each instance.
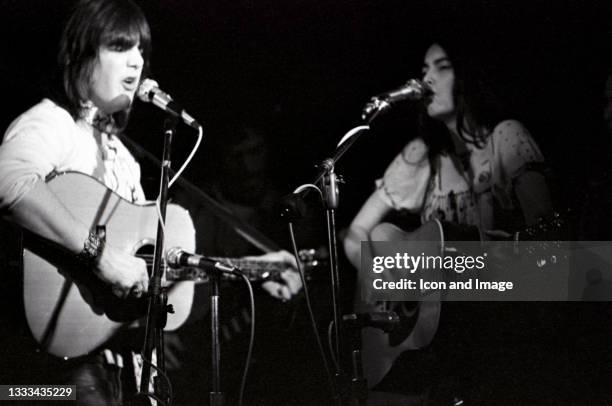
(69, 310)
(419, 320)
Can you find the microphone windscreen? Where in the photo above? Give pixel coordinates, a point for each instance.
(145, 88)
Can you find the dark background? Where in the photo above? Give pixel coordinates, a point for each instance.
(300, 71)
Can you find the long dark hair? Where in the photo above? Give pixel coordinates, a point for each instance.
(478, 107)
(92, 24)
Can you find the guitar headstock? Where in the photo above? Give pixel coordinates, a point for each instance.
(555, 227)
(547, 236)
(312, 258)
(257, 270)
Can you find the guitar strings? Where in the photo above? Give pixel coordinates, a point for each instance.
(252, 275)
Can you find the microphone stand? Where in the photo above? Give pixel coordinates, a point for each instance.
(216, 396)
(329, 180)
(157, 310)
(385, 321)
(331, 196)
(359, 385)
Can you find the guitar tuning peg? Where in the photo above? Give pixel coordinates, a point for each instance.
(169, 309)
(307, 254)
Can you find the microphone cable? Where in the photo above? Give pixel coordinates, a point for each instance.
(313, 322)
(249, 355)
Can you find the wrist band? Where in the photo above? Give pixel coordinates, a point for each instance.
(92, 248)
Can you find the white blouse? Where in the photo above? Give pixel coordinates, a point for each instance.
(475, 196)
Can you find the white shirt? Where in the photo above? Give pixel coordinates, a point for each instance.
(46, 139)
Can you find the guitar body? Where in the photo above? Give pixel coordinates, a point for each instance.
(419, 321)
(71, 312)
(380, 349)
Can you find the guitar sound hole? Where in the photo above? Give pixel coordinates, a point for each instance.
(147, 252)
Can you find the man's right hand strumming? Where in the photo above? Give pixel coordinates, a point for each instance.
(41, 212)
(126, 273)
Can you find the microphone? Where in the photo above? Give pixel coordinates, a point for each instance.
(149, 92)
(177, 257)
(413, 90)
(385, 321)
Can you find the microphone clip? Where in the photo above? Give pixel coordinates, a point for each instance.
(373, 108)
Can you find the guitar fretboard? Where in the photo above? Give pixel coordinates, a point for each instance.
(255, 270)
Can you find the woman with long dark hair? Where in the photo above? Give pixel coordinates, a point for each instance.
(471, 165)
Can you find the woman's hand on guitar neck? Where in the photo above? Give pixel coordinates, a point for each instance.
(126, 273)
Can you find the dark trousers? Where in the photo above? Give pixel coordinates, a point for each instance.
(97, 383)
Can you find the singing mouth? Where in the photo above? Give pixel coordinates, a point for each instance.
(130, 84)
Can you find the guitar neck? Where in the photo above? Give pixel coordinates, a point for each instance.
(252, 265)
(255, 270)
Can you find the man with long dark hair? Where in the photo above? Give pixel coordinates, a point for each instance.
(104, 55)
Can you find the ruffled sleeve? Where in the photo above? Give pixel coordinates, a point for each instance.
(405, 181)
(514, 152)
